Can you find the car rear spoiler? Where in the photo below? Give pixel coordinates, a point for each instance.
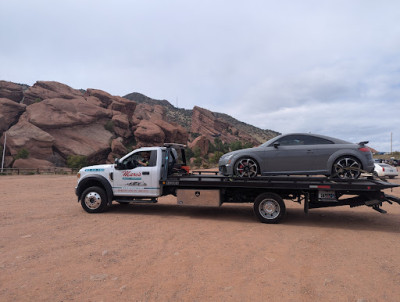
(363, 143)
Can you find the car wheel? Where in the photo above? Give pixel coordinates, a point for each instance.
(269, 208)
(246, 167)
(346, 167)
(94, 200)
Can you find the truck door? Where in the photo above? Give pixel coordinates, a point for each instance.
(138, 175)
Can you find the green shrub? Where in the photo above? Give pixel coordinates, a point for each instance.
(215, 157)
(109, 126)
(76, 161)
(22, 153)
(194, 135)
(189, 154)
(197, 161)
(197, 152)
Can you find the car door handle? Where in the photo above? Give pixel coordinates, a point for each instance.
(146, 173)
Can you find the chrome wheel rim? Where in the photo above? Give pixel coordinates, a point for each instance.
(246, 168)
(269, 209)
(93, 200)
(347, 167)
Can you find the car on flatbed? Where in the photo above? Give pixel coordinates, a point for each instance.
(300, 154)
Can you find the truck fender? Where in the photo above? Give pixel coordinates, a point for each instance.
(95, 180)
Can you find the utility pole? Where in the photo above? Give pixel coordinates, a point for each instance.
(4, 151)
(391, 143)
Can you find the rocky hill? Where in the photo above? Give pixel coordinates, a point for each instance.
(49, 123)
(183, 117)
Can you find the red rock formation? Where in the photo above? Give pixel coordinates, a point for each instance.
(33, 163)
(42, 90)
(105, 98)
(121, 125)
(205, 123)
(11, 91)
(57, 113)
(173, 132)
(9, 113)
(202, 143)
(148, 134)
(24, 135)
(91, 140)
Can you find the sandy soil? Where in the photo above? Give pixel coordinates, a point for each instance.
(51, 250)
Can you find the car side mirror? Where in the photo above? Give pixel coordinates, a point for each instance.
(276, 145)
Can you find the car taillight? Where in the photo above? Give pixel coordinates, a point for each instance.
(383, 169)
(364, 149)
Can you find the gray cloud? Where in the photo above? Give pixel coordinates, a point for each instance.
(322, 66)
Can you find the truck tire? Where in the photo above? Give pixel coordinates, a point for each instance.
(269, 208)
(94, 200)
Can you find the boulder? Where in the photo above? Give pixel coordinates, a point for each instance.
(92, 141)
(11, 91)
(122, 105)
(118, 150)
(9, 113)
(117, 147)
(58, 113)
(147, 112)
(32, 163)
(121, 125)
(201, 142)
(148, 134)
(43, 90)
(105, 98)
(173, 132)
(24, 135)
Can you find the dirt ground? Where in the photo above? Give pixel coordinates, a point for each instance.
(51, 250)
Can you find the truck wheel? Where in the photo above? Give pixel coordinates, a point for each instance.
(94, 200)
(269, 208)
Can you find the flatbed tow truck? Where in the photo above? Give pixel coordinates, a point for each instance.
(127, 181)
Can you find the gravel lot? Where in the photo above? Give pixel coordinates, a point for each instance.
(51, 250)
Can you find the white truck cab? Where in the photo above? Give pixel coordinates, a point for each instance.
(136, 176)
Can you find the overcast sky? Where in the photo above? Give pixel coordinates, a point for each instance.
(328, 67)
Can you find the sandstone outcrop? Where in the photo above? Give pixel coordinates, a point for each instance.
(42, 90)
(24, 135)
(91, 140)
(53, 121)
(202, 143)
(32, 163)
(148, 134)
(11, 91)
(57, 113)
(205, 123)
(9, 113)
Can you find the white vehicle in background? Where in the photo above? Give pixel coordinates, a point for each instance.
(385, 170)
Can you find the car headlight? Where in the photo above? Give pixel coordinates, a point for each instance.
(228, 158)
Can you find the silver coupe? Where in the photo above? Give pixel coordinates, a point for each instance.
(300, 153)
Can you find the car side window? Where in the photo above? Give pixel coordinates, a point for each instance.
(313, 140)
(301, 140)
(291, 140)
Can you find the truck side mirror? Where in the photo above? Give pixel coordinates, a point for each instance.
(117, 164)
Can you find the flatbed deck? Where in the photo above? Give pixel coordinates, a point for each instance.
(268, 193)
